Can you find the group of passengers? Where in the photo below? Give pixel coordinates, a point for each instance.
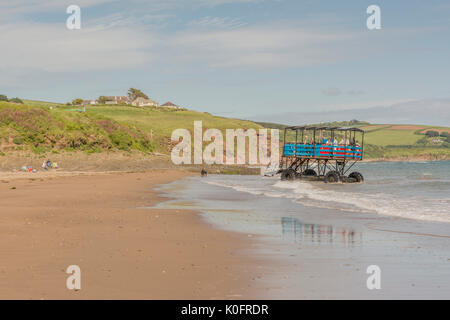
(328, 142)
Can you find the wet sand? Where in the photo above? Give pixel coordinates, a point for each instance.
(96, 221)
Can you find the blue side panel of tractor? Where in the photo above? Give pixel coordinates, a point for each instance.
(322, 151)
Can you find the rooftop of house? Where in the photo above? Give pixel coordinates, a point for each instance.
(169, 104)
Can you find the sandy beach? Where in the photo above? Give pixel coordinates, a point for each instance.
(169, 234)
(95, 221)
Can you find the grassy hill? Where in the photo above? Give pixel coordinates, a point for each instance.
(49, 128)
(43, 127)
(162, 121)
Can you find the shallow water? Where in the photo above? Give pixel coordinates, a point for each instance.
(418, 191)
(323, 237)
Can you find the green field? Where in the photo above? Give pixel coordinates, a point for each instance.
(385, 137)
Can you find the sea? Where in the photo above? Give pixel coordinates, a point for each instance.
(399, 219)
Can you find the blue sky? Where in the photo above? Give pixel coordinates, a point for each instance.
(235, 58)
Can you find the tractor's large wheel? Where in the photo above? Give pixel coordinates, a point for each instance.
(288, 174)
(357, 176)
(310, 173)
(332, 177)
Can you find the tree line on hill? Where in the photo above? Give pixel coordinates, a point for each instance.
(133, 94)
(436, 134)
(13, 100)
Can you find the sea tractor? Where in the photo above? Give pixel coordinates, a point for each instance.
(322, 153)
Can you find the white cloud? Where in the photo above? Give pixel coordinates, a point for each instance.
(355, 92)
(255, 46)
(123, 40)
(11, 10)
(216, 22)
(53, 48)
(18, 7)
(332, 91)
(136, 39)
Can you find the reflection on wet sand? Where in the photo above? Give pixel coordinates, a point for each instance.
(296, 231)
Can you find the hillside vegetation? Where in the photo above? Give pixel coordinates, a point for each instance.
(43, 127)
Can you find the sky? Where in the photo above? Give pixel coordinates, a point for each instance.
(236, 58)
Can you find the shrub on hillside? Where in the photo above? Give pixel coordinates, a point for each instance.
(16, 100)
(18, 140)
(125, 138)
(422, 141)
(77, 102)
(3, 97)
(432, 134)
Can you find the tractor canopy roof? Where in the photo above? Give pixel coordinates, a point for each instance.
(303, 128)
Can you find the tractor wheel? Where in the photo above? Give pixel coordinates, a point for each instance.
(310, 173)
(332, 177)
(357, 176)
(288, 174)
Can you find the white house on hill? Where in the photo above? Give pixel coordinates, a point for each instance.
(170, 105)
(117, 100)
(89, 102)
(142, 102)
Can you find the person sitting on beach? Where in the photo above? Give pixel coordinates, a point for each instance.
(44, 165)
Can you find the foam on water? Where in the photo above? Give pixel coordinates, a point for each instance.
(412, 197)
(381, 203)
